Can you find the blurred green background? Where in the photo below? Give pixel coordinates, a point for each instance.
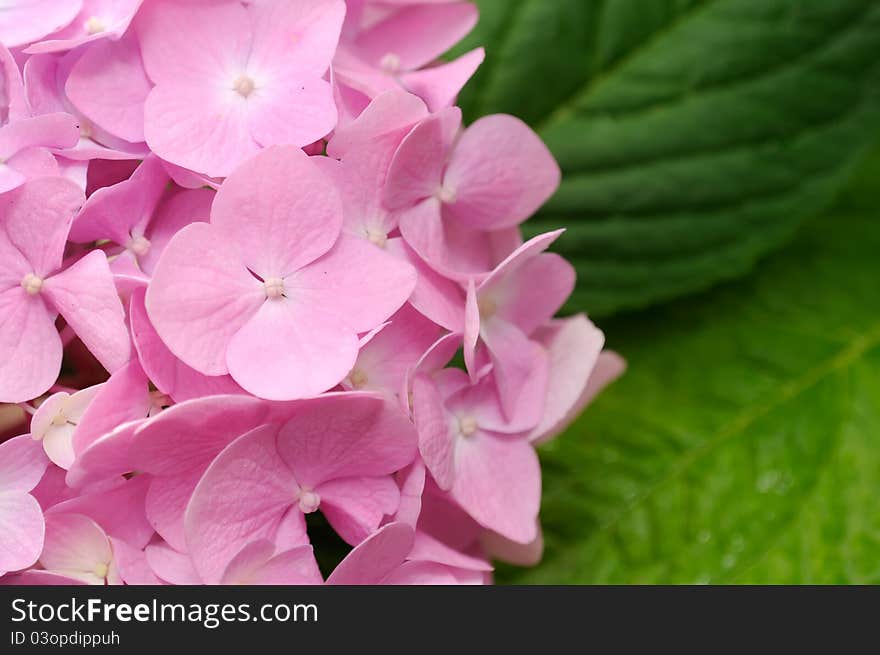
(705, 141)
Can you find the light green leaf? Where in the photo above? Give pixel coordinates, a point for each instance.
(743, 444)
(695, 135)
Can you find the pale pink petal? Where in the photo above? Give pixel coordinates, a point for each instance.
(200, 296)
(279, 198)
(55, 130)
(98, 20)
(118, 510)
(520, 368)
(431, 573)
(12, 101)
(412, 484)
(295, 36)
(573, 346)
(35, 219)
(77, 547)
(166, 502)
(434, 296)
(171, 566)
(498, 482)
(170, 375)
(84, 294)
(198, 127)
(355, 281)
(21, 530)
(385, 122)
(241, 498)
(108, 85)
(500, 172)
(176, 210)
(430, 549)
(132, 564)
(499, 547)
(436, 429)
(30, 348)
(38, 577)
(22, 464)
(439, 85)
(290, 350)
(217, 37)
(376, 557)
(255, 565)
(294, 110)
(348, 435)
(416, 172)
(22, 23)
(105, 458)
(356, 506)
(391, 40)
(124, 397)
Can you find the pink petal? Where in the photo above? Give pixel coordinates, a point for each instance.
(36, 218)
(106, 458)
(434, 296)
(217, 36)
(412, 485)
(25, 22)
(171, 566)
(200, 296)
(292, 110)
(499, 547)
(30, 348)
(498, 483)
(175, 128)
(298, 37)
(449, 23)
(166, 502)
(86, 297)
(520, 368)
(132, 564)
(170, 375)
(76, 546)
(108, 85)
(124, 397)
(501, 173)
(22, 464)
(276, 199)
(387, 119)
(429, 549)
(416, 172)
(55, 130)
(355, 281)
(375, 558)
(241, 498)
(439, 85)
(356, 506)
(176, 210)
(436, 431)
(290, 350)
(21, 531)
(345, 436)
(255, 565)
(119, 510)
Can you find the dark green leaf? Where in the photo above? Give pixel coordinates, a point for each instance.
(695, 135)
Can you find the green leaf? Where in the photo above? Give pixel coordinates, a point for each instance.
(743, 444)
(695, 135)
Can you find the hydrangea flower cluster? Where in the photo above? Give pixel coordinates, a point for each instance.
(241, 246)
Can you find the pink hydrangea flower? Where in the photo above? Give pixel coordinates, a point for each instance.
(21, 520)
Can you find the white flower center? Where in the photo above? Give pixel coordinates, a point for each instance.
(59, 419)
(274, 287)
(467, 425)
(32, 284)
(308, 501)
(358, 379)
(447, 195)
(139, 245)
(390, 63)
(377, 236)
(487, 308)
(101, 570)
(243, 85)
(95, 25)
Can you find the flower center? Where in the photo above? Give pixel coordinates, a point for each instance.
(85, 129)
(274, 287)
(390, 63)
(447, 195)
(308, 501)
(95, 25)
(59, 420)
(101, 569)
(377, 236)
(358, 378)
(243, 85)
(32, 284)
(139, 245)
(467, 425)
(487, 308)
